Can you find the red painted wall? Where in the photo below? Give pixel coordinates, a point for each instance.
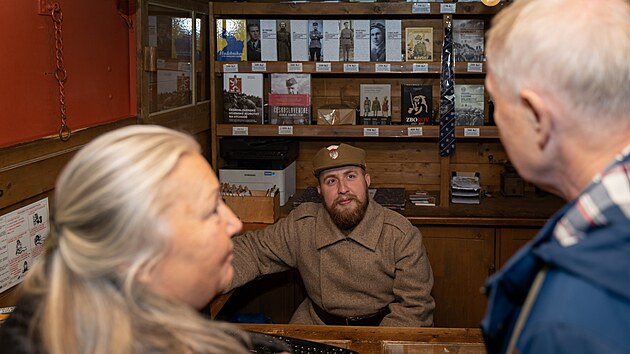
(97, 44)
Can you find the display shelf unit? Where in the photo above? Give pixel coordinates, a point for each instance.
(337, 85)
(464, 243)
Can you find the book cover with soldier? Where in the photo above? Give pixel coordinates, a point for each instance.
(231, 40)
(416, 104)
(243, 98)
(468, 40)
(290, 99)
(419, 43)
(469, 104)
(375, 104)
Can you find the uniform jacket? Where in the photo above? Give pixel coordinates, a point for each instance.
(382, 262)
(583, 305)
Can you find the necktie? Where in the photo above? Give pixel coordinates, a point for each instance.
(447, 94)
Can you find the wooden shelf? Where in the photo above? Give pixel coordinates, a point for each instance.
(389, 9)
(337, 68)
(527, 211)
(352, 131)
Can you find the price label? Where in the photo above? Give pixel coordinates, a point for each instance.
(421, 8)
(294, 67)
(240, 130)
(420, 67)
(259, 66)
(475, 67)
(449, 8)
(285, 130)
(230, 68)
(471, 131)
(414, 131)
(351, 68)
(323, 67)
(382, 68)
(370, 131)
(161, 63)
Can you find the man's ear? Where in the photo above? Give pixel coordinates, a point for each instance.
(368, 179)
(539, 115)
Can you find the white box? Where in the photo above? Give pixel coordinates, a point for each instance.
(263, 179)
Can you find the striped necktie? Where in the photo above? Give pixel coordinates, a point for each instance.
(447, 94)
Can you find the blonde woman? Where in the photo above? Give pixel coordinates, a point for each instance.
(141, 239)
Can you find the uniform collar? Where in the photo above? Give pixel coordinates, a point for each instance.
(366, 233)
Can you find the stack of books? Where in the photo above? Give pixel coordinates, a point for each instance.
(465, 188)
(422, 198)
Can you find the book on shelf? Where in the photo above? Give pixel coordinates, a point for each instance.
(231, 40)
(375, 104)
(299, 40)
(468, 39)
(362, 40)
(378, 39)
(243, 98)
(346, 40)
(330, 43)
(416, 104)
(268, 38)
(469, 104)
(419, 43)
(393, 42)
(254, 40)
(422, 198)
(290, 98)
(283, 39)
(315, 39)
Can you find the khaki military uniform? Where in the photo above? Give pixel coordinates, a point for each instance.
(382, 262)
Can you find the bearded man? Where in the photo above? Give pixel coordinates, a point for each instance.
(361, 264)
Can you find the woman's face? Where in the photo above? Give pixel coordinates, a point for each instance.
(198, 264)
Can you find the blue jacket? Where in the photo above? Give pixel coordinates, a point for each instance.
(584, 302)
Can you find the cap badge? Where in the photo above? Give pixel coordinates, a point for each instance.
(332, 151)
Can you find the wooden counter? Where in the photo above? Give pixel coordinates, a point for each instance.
(373, 340)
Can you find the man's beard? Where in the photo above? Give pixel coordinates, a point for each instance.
(346, 220)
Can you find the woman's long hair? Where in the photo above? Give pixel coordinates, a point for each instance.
(107, 232)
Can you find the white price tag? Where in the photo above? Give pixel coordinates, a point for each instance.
(230, 68)
(475, 67)
(259, 66)
(414, 131)
(421, 8)
(420, 67)
(323, 67)
(351, 68)
(370, 131)
(382, 68)
(448, 8)
(285, 130)
(471, 131)
(240, 130)
(161, 63)
(294, 67)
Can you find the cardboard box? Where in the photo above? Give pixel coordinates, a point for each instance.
(336, 115)
(257, 208)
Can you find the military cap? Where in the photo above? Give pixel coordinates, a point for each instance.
(291, 81)
(338, 156)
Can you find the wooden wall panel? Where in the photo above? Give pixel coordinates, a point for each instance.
(461, 259)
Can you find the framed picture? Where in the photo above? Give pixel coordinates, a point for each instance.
(419, 44)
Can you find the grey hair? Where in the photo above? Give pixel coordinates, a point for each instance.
(109, 231)
(575, 51)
